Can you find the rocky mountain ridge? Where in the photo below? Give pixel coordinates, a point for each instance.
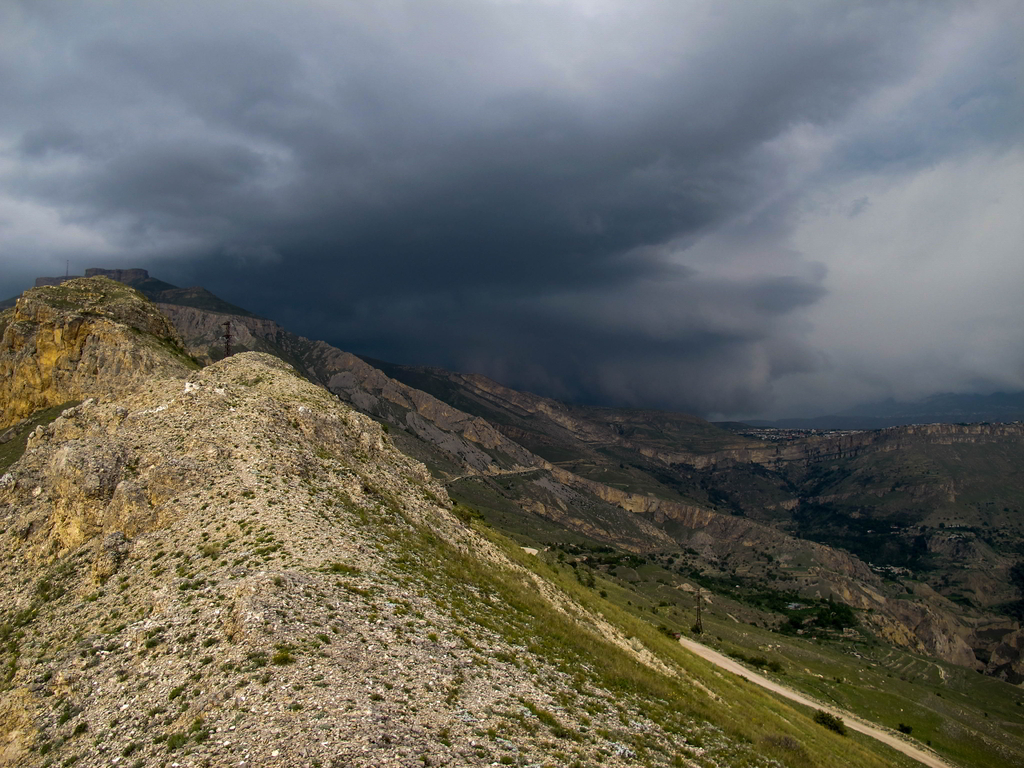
(112, 492)
(230, 566)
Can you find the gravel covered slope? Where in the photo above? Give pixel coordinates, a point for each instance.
(238, 569)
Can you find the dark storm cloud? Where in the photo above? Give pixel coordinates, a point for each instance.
(589, 199)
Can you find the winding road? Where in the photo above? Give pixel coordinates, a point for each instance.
(852, 721)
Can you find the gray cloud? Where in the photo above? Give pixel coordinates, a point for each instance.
(601, 202)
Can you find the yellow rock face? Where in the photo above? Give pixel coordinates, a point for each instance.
(87, 337)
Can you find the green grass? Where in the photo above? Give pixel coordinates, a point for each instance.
(14, 449)
(747, 716)
(943, 703)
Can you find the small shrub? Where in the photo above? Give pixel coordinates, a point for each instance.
(904, 728)
(175, 741)
(830, 721)
(347, 570)
(47, 590)
(257, 658)
(785, 742)
(283, 657)
(466, 514)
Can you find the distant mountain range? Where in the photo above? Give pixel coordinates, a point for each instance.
(945, 408)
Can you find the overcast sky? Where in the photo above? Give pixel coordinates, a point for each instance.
(734, 209)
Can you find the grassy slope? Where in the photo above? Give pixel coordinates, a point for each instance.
(883, 684)
(13, 449)
(745, 714)
(971, 719)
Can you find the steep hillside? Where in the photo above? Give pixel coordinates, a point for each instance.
(933, 508)
(542, 502)
(543, 424)
(235, 567)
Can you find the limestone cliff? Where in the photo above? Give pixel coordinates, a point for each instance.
(86, 337)
(817, 449)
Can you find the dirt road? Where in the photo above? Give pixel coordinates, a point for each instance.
(852, 721)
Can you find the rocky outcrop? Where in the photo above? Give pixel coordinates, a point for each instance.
(1007, 658)
(126, 276)
(920, 627)
(87, 337)
(203, 331)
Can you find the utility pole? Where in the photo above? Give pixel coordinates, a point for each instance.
(227, 338)
(698, 628)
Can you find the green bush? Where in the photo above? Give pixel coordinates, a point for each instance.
(176, 740)
(347, 570)
(833, 615)
(830, 721)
